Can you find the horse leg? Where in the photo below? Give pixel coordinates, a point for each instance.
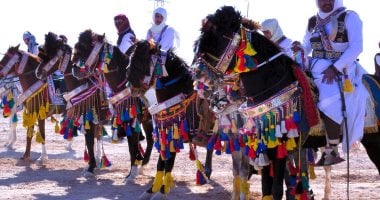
(244, 174)
(148, 129)
(157, 182)
(89, 137)
(371, 143)
(13, 125)
(133, 142)
(29, 136)
(41, 126)
(208, 162)
(236, 161)
(327, 182)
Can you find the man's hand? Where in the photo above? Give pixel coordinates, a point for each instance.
(330, 74)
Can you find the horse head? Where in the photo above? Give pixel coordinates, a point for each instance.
(18, 62)
(87, 52)
(231, 53)
(55, 53)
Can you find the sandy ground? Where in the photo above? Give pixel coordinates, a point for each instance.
(60, 176)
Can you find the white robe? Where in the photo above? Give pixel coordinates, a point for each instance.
(330, 102)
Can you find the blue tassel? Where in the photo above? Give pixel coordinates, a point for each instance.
(236, 144)
(228, 148)
(4, 100)
(249, 62)
(126, 115)
(15, 119)
(310, 156)
(218, 152)
(157, 145)
(211, 142)
(292, 180)
(159, 85)
(66, 133)
(89, 116)
(296, 117)
(180, 144)
(224, 137)
(128, 131)
(167, 152)
(186, 126)
(246, 150)
(169, 135)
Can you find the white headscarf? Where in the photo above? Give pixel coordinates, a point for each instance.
(272, 26)
(337, 4)
(158, 28)
(32, 41)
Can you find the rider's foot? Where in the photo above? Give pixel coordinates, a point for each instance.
(328, 159)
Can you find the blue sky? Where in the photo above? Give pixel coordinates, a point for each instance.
(70, 17)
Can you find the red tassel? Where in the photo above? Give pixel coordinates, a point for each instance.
(86, 158)
(281, 151)
(232, 146)
(163, 137)
(133, 110)
(191, 154)
(304, 195)
(218, 145)
(292, 169)
(241, 141)
(105, 161)
(271, 169)
(252, 153)
(118, 120)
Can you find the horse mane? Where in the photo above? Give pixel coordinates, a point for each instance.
(139, 65)
(85, 43)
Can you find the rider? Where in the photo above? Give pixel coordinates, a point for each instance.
(126, 36)
(166, 38)
(272, 30)
(30, 41)
(162, 34)
(377, 64)
(334, 38)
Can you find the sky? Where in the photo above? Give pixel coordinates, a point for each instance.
(70, 17)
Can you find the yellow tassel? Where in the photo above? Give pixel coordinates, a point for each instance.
(311, 172)
(233, 127)
(236, 186)
(56, 128)
(168, 182)
(157, 181)
(171, 146)
(175, 132)
(87, 125)
(272, 143)
(347, 85)
(105, 69)
(47, 106)
(9, 96)
(268, 197)
(216, 126)
(42, 112)
(244, 188)
(249, 50)
(290, 144)
(34, 118)
(138, 162)
(39, 138)
(30, 133)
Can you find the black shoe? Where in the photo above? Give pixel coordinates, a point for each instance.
(329, 159)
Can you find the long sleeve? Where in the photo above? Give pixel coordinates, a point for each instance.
(354, 27)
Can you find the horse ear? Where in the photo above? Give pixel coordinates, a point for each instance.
(18, 46)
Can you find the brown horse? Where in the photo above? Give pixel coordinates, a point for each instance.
(35, 98)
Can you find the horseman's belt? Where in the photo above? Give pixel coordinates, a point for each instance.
(329, 55)
(282, 97)
(170, 110)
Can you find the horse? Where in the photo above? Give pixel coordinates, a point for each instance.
(174, 115)
(127, 111)
(279, 111)
(35, 98)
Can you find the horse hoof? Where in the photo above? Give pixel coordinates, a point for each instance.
(145, 196)
(158, 196)
(143, 169)
(25, 158)
(132, 175)
(87, 174)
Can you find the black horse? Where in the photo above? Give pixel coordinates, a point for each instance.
(174, 115)
(231, 52)
(128, 111)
